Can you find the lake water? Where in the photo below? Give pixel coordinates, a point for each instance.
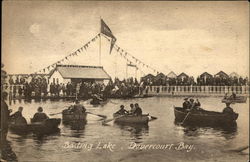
(69, 145)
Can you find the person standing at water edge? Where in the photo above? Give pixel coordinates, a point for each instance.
(40, 116)
(4, 118)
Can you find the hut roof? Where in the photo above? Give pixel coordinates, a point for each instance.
(206, 74)
(171, 75)
(148, 76)
(160, 75)
(222, 74)
(234, 74)
(182, 75)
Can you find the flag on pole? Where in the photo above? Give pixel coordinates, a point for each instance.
(106, 31)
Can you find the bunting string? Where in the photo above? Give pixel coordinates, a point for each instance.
(78, 51)
(125, 54)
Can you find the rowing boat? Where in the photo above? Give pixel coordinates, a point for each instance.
(69, 117)
(133, 119)
(204, 118)
(45, 127)
(237, 99)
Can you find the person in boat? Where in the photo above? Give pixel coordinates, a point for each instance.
(192, 103)
(132, 109)
(186, 104)
(78, 108)
(233, 96)
(40, 115)
(228, 109)
(138, 110)
(17, 117)
(197, 103)
(96, 99)
(122, 111)
(226, 96)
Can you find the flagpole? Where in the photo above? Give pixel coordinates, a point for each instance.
(100, 49)
(126, 70)
(100, 43)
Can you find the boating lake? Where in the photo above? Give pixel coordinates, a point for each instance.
(162, 140)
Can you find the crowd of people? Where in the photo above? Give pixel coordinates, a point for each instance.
(200, 81)
(39, 87)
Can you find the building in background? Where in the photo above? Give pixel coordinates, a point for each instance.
(76, 74)
(172, 75)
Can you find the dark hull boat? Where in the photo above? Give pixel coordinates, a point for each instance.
(19, 128)
(238, 99)
(70, 117)
(46, 127)
(204, 118)
(132, 119)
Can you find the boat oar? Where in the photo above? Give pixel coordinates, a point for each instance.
(109, 120)
(103, 116)
(113, 102)
(185, 118)
(239, 149)
(153, 118)
(55, 113)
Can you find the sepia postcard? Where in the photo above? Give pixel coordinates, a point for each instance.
(125, 81)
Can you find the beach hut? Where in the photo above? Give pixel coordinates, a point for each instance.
(233, 75)
(182, 76)
(172, 75)
(221, 74)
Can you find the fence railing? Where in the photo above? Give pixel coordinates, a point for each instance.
(13, 90)
(196, 89)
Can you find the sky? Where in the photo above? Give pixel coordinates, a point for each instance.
(191, 37)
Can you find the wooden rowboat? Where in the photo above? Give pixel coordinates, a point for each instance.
(238, 99)
(204, 118)
(132, 119)
(69, 117)
(46, 127)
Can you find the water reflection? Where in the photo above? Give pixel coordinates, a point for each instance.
(226, 132)
(76, 125)
(74, 129)
(137, 131)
